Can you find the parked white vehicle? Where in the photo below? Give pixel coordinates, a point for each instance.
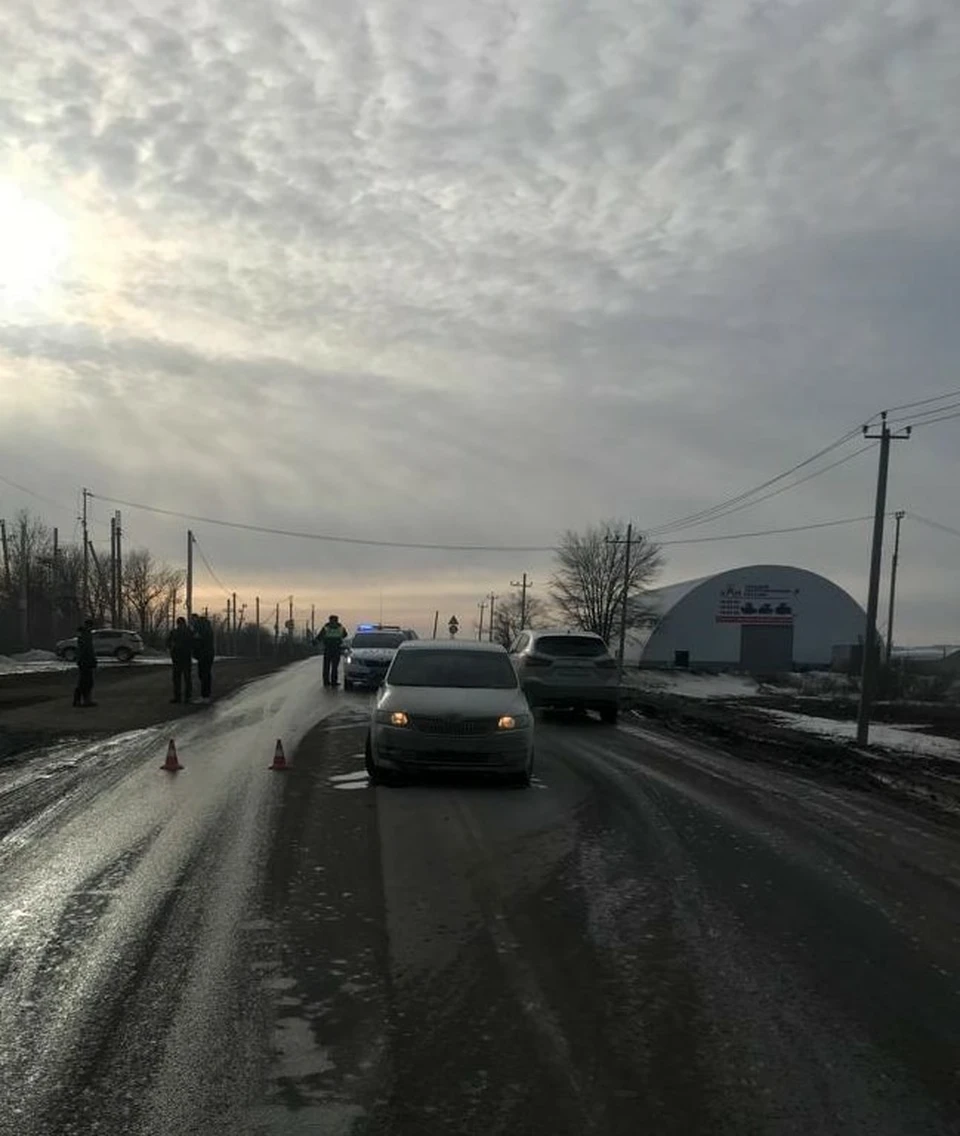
(108, 643)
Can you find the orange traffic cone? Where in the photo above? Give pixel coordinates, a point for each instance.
(172, 764)
(279, 761)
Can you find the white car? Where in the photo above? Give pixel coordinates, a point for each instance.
(451, 706)
(108, 643)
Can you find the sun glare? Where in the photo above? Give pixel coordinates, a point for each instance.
(33, 246)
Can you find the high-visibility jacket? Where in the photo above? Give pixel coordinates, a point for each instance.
(331, 637)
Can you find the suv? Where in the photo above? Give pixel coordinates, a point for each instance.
(108, 643)
(569, 670)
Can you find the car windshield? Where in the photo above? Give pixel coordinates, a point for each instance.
(463, 669)
(571, 647)
(381, 639)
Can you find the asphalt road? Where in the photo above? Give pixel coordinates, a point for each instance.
(656, 938)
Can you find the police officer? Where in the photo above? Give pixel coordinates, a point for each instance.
(86, 665)
(180, 646)
(203, 652)
(331, 638)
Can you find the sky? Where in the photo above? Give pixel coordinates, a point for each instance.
(478, 272)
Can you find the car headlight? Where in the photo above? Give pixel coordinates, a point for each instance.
(514, 722)
(393, 718)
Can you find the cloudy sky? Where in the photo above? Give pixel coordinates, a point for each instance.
(477, 271)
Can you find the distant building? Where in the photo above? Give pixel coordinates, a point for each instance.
(762, 618)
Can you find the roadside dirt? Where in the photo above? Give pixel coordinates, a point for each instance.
(36, 709)
(929, 782)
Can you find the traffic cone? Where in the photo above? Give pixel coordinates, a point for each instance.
(172, 764)
(279, 761)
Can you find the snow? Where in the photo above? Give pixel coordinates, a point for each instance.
(691, 685)
(901, 738)
(35, 656)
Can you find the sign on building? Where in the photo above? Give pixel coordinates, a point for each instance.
(758, 605)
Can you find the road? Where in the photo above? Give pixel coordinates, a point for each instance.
(656, 937)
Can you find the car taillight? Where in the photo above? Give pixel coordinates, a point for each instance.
(539, 661)
(607, 664)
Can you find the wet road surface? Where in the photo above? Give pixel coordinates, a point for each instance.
(654, 938)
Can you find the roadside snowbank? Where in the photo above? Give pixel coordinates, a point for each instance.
(34, 656)
(901, 738)
(689, 685)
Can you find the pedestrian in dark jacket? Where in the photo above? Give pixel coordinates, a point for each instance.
(86, 665)
(180, 646)
(203, 652)
(331, 638)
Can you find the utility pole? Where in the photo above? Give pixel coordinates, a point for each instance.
(113, 571)
(625, 598)
(189, 573)
(6, 555)
(483, 607)
(56, 584)
(290, 623)
(523, 586)
(120, 617)
(899, 515)
(257, 609)
(869, 673)
(493, 601)
(24, 588)
(313, 620)
(85, 593)
(436, 618)
(276, 632)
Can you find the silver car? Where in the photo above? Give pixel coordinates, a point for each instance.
(108, 643)
(368, 657)
(568, 670)
(453, 707)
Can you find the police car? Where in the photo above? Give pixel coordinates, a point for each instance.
(370, 653)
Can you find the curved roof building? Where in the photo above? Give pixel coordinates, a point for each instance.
(759, 618)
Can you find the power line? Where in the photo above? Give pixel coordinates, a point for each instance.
(715, 511)
(931, 421)
(773, 492)
(327, 537)
(33, 493)
(924, 401)
(920, 416)
(226, 591)
(933, 524)
(768, 532)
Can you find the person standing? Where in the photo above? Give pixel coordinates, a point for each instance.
(203, 652)
(331, 638)
(86, 665)
(180, 646)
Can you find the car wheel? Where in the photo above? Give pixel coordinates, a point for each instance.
(609, 715)
(368, 763)
(69, 655)
(522, 780)
(123, 654)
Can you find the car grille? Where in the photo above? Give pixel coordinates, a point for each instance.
(454, 727)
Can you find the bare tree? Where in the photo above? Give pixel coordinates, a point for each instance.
(147, 587)
(506, 617)
(588, 585)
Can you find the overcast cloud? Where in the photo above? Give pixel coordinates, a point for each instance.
(475, 271)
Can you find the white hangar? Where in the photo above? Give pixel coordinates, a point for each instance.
(763, 618)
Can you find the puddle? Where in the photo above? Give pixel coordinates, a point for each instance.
(298, 1055)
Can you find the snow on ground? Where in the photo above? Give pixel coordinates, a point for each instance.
(900, 738)
(20, 665)
(691, 685)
